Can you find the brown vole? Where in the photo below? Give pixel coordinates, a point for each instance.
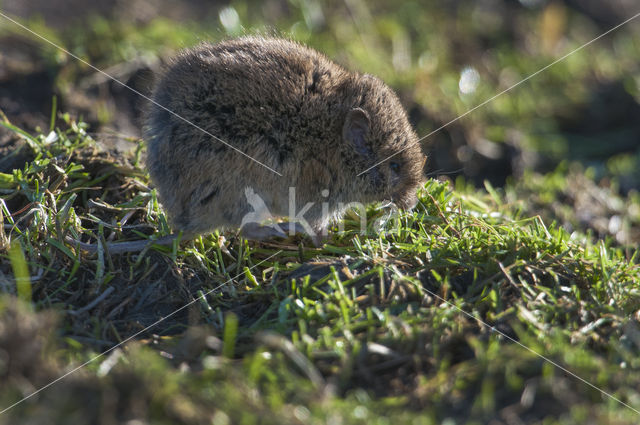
(293, 111)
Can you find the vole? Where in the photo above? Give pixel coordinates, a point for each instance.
(258, 127)
(292, 110)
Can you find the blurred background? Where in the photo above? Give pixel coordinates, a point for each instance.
(443, 58)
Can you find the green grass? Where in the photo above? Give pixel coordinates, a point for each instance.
(366, 329)
(412, 322)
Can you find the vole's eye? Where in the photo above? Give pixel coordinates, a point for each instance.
(395, 166)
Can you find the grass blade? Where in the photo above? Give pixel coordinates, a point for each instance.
(20, 272)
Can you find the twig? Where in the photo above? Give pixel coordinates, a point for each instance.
(122, 247)
(93, 303)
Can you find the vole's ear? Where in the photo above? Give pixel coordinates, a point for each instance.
(356, 130)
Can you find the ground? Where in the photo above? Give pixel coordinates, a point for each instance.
(509, 295)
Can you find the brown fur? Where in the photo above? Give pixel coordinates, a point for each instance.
(290, 108)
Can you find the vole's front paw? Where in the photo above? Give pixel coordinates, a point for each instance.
(259, 232)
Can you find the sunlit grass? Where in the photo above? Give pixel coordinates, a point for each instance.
(370, 327)
(356, 329)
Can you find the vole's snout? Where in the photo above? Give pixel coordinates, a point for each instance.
(411, 203)
(406, 201)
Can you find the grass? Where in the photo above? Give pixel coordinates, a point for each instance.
(366, 329)
(415, 321)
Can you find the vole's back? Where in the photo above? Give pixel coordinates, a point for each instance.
(245, 88)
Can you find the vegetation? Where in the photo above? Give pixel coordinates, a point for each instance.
(512, 300)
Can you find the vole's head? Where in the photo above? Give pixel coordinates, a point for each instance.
(381, 141)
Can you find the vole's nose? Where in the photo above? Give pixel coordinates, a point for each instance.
(407, 202)
(411, 203)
